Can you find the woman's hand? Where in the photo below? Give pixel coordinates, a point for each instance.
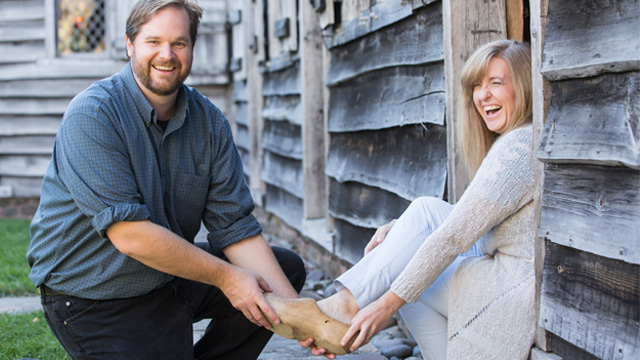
(378, 237)
(371, 319)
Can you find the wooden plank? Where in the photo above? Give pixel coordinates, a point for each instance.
(467, 25)
(61, 69)
(26, 145)
(592, 208)
(283, 138)
(24, 165)
(241, 114)
(16, 52)
(29, 125)
(515, 20)
(350, 240)
(240, 92)
(409, 161)
(285, 108)
(246, 162)
(22, 31)
(592, 302)
(391, 46)
(23, 187)
(567, 350)
(285, 173)
(590, 37)
(538, 354)
(594, 121)
(283, 82)
(407, 95)
(19, 10)
(50, 88)
(363, 205)
(285, 206)
(33, 106)
(312, 108)
(241, 137)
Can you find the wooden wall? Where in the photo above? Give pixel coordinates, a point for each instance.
(590, 297)
(386, 116)
(36, 84)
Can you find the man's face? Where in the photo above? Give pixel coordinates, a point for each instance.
(162, 52)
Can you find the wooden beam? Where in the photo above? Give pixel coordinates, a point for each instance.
(592, 302)
(515, 19)
(311, 101)
(593, 208)
(467, 25)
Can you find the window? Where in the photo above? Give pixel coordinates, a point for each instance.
(80, 26)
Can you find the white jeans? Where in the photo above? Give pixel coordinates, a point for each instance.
(372, 275)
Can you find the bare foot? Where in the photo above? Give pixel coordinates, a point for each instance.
(341, 306)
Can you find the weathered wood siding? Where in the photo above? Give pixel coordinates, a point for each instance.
(282, 143)
(36, 85)
(386, 117)
(590, 216)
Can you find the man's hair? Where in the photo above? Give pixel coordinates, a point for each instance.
(143, 10)
(475, 139)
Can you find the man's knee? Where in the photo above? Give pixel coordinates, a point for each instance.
(292, 265)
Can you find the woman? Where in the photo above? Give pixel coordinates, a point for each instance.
(461, 276)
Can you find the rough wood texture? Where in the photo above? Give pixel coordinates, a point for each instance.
(350, 240)
(362, 20)
(29, 125)
(287, 108)
(363, 205)
(283, 82)
(590, 37)
(593, 209)
(284, 173)
(407, 95)
(409, 161)
(594, 121)
(467, 25)
(241, 114)
(391, 46)
(24, 187)
(284, 205)
(567, 350)
(16, 52)
(17, 10)
(592, 302)
(241, 137)
(33, 106)
(282, 138)
(57, 69)
(24, 165)
(515, 19)
(23, 145)
(55, 88)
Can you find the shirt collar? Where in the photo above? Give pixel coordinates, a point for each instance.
(144, 106)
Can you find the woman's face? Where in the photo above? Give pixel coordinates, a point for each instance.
(494, 97)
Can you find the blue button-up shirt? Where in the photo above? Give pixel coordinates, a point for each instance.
(112, 162)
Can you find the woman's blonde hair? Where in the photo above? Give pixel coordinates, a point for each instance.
(474, 137)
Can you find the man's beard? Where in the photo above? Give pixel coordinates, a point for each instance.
(142, 72)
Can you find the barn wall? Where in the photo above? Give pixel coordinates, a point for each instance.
(590, 296)
(387, 139)
(36, 84)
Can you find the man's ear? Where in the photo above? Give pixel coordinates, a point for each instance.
(129, 46)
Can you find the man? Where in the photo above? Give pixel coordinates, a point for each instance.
(140, 160)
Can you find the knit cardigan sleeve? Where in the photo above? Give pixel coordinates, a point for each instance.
(502, 185)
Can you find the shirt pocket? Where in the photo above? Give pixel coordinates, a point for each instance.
(191, 198)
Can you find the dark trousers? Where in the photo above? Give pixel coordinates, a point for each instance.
(159, 325)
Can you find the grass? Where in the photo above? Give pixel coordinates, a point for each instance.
(14, 270)
(27, 335)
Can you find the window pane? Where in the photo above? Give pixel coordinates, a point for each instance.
(81, 26)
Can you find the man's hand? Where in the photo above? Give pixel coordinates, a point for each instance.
(244, 289)
(315, 350)
(378, 237)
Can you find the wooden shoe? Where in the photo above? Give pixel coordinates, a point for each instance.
(302, 319)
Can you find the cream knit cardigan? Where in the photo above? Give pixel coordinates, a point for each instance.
(492, 312)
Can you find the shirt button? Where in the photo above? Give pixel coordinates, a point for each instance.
(65, 323)
(68, 303)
